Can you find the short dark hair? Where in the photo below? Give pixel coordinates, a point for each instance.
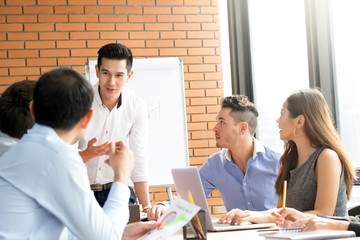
(115, 51)
(15, 116)
(61, 98)
(242, 110)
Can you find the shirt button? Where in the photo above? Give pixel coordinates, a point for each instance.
(248, 203)
(99, 168)
(106, 132)
(244, 184)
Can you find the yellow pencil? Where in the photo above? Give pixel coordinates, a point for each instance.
(284, 198)
(284, 194)
(196, 216)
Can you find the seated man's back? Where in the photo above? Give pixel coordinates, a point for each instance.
(36, 184)
(43, 180)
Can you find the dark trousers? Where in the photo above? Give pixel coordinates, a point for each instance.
(101, 196)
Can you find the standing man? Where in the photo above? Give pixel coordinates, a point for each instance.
(119, 115)
(245, 170)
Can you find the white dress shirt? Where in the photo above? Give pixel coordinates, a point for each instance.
(6, 142)
(127, 122)
(44, 188)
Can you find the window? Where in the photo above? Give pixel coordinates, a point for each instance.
(346, 34)
(279, 60)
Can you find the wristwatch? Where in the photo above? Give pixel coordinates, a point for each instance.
(146, 208)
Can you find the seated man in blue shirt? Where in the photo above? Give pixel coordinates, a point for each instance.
(43, 181)
(245, 170)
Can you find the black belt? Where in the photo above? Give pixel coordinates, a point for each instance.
(100, 187)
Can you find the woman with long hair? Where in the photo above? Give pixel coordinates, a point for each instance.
(314, 164)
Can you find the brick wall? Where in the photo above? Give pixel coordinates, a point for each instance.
(39, 35)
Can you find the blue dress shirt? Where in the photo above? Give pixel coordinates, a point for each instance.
(253, 190)
(44, 187)
(6, 142)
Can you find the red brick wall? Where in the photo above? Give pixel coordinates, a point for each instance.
(39, 35)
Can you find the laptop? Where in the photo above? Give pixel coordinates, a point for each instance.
(188, 180)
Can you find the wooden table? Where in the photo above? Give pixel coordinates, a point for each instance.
(229, 235)
(240, 234)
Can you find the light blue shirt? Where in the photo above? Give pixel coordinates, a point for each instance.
(6, 142)
(253, 190)
(44, 187)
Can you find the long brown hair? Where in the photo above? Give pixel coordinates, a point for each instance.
(321, 132)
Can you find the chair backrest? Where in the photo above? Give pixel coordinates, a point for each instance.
(354, 211)
(134, 211)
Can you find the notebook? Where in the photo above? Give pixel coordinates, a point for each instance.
(323, 234)
(188, 180)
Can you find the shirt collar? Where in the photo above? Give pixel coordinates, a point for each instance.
(6, 137)
(258, 147)
(98, 98)
(49, 132)
(120, 100)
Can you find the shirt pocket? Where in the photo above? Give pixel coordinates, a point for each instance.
(122, 132)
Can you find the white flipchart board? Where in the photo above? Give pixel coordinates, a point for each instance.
(160, 82)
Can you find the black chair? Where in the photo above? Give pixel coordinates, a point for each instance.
(134, 212)
(354, 211)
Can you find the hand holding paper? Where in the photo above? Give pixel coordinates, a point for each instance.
(179, 213)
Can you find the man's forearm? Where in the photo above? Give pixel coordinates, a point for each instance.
(84, 156)
(355, 219)
(142, 192)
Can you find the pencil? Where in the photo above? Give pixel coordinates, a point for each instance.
(284, 198)
(284, 194)
(196, 216)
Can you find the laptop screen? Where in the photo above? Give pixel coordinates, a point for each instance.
(188, 180)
